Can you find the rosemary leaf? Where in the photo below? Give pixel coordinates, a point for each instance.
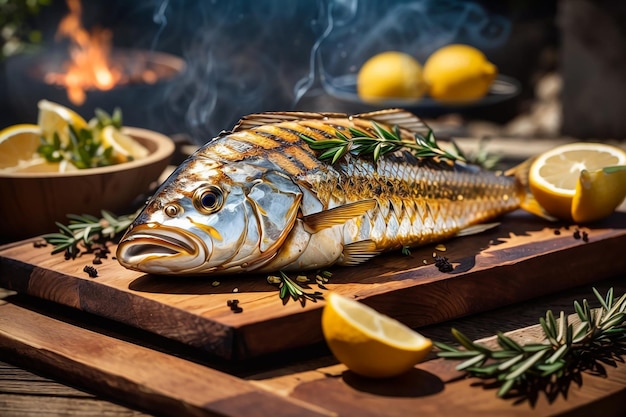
(480, 358)
(505, 388)
(558, 354)
(526, 365)
(467, 343)
(459, 354)
(602, 300)
(507, 342)
(507, 364)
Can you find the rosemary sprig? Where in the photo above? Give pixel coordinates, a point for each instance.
(86, 230)
(289, 289)
(565, 348)
(378, 143)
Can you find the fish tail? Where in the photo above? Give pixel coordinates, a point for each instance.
(528, 202)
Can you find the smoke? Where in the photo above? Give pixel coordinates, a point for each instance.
(266, 55)
(241, 57)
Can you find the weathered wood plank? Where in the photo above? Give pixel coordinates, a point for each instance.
(149, 379)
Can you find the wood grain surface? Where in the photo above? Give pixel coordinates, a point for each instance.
(157, 376)
(524, 257)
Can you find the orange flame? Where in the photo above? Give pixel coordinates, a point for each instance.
(89, 66)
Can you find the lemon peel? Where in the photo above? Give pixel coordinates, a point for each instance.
(598, 193)
(369, 343)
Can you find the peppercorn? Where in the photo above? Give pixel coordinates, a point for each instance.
(234, 306)
(91, 271)
(442, 263)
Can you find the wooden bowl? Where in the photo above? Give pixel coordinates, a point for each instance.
(33, 202)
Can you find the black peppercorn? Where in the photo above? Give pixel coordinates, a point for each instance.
(442, 263)
(91, 271)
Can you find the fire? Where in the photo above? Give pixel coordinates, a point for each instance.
(89, 66)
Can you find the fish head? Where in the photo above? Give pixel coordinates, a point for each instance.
(212, 218)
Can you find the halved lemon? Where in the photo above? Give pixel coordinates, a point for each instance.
(18, 143)
(598, 193)
(125, 148)
(369, 343)
(55, 117)
(554, 175)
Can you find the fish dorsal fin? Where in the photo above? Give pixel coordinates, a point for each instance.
(358, 252)
(397, 117)
(259, 119)
(337, 215)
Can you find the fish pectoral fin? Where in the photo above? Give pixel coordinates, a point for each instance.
(276, 202)
(358, 252)
(337, 215)
(476, 229)
(397, 117)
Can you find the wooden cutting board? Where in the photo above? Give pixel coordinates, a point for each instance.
(524, 257)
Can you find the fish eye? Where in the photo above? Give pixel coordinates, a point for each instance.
(172, 210)
(208, 199)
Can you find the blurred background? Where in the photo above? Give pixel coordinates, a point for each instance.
(194, 67)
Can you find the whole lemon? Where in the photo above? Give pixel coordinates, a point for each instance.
(458, 73)
(390, 75)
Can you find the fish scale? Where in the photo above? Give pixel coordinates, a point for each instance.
(260, 199)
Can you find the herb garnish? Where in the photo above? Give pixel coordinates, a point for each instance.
(84, 149)
(566, 349)
(378, 143)
(290, 289)
(86, 230)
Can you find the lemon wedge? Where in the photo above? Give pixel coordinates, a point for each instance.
(390, 75)
(554, 175)
(458, 73)
(54, 117)
(125, 148)
(369, 343)
(18, 143)
(598, 193)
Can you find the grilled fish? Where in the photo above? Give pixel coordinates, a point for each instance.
(259, 198)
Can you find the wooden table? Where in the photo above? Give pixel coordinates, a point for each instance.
(30, 388)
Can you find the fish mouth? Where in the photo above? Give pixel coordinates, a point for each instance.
(161, 249)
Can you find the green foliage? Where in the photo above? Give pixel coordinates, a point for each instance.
(377, 144)
(566, 345)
